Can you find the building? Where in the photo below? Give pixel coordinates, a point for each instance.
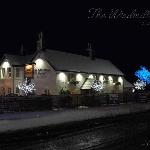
(12, 72)
(54, 72)
(128, 87)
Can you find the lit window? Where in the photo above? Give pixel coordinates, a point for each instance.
(28, 71)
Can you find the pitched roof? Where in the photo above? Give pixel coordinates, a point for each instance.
(78, 63)
(127, 84)
(17, 59)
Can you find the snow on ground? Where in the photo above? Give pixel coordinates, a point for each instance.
(24, 120)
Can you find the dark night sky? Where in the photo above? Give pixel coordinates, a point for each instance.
(66, 27)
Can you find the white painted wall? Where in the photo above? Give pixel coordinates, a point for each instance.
(7, 82)
(44, 77)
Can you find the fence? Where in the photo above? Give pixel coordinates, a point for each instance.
(39, 103)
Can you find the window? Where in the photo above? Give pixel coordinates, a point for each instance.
(3, 72)
(9, 72)
(3, 91)
(9, 90)
(17, 72)
(71, 76)
(17, 90)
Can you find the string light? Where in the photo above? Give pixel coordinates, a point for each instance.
(26, 87)
(143, 74)
(97, 86)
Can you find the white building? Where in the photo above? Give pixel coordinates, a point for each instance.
(12, 72)
(55, 71)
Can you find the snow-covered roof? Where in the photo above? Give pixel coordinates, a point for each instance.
(127, 84)
(63, 61)
(17, 59)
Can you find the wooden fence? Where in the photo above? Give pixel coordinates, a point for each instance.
(39, 103)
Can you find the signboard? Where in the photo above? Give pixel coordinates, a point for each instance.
(41, 72)
(29, 70)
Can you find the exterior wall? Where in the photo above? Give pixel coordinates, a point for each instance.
(63, 82)
(48, 81)
(5, 81)
(18, 79)
(112, 84)
(8, 83)
(44, 77)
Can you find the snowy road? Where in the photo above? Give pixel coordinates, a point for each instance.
(115, 133)
(18, 121)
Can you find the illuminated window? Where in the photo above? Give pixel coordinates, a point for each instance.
(29, 70)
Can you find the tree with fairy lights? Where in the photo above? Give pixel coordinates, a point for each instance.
(143, 75)
(27, 87)
(97, 86)
(139, 85)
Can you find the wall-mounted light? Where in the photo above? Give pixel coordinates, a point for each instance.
(110, 78)
(6, 64)
(79, 77)
(62, 76)
(28, 66)
(101, 78)
(91, 76)
(120, 80)
(39, 63)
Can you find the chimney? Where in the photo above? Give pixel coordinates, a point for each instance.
(91, 52)
(40, 41)
(22, 50)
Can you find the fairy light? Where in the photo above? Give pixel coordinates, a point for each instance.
(140, 85)
(27, 88)
(143, 74)
(97, 86)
